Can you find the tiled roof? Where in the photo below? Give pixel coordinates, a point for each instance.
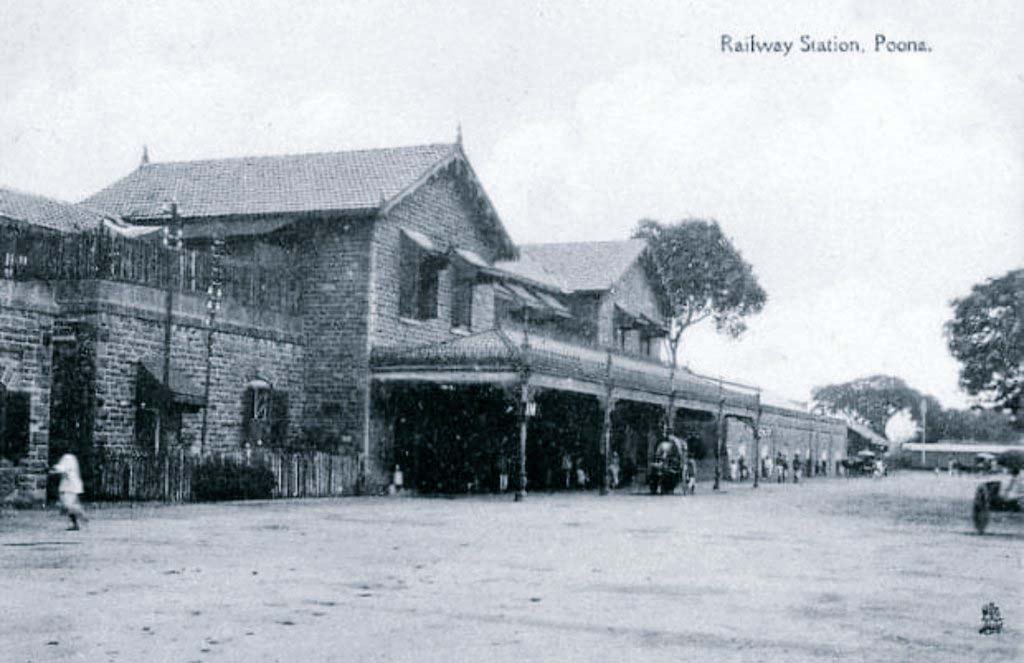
(531, 270)
(47, 212)
(328, 181)
(584, 265)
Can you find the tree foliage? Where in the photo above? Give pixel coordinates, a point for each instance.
(697, 274)
(874, 400)
(986, 335)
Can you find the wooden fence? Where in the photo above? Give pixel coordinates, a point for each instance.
(168, 476)
(35, 253)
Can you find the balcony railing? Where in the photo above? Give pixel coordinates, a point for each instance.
(35, 253)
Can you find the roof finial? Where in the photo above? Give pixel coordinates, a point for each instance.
(458, 134)
(145, 155)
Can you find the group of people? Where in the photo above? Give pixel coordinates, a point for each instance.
(575, 474)
(782, 468)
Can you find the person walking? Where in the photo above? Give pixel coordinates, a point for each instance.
(70, 489)
(691, 475)
(796, 468)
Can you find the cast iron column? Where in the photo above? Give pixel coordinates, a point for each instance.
(524, 402)
(757, 442)
(718, 437)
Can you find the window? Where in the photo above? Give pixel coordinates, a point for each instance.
(462, 298)
(265, 414)
(621, 334)
(261, 404)
(419, 279)
(14, 424)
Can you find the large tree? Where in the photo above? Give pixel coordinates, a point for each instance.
(698, 274)
(876, 399)
(986, 335)
(873, 401)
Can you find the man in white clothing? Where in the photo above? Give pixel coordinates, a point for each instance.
(70, 488)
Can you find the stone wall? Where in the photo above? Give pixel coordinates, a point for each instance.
(335, 262)
(440, 211)
(128, 323)
(27, 314)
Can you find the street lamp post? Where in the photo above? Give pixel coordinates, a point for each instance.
(214, 294)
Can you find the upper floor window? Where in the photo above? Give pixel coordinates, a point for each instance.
(420, 268)
(621, 334)
(462, 298)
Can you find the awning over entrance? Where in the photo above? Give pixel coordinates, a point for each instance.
(180, 389)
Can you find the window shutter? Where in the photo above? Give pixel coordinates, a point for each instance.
(408, 277)
(462, 298)
(279, 418)
(429, 270)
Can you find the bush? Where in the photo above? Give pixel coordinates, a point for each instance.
(218, 479)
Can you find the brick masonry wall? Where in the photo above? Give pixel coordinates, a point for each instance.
(129, 324)
(335, 259)
(439, 210)
(27, 314)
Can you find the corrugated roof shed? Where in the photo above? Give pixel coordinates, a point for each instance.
(47, 212)
(580, 266)
(322, 182)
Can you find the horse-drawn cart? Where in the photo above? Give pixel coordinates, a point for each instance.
(991, 497)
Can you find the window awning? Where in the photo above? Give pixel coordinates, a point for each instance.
(553, 304)
(533, 299)
(179, 389)
(474, 259)
(422, 241)
(627, 319)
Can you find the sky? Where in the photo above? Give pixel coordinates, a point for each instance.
(866, 189)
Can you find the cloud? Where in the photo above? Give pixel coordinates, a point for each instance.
(864, 206)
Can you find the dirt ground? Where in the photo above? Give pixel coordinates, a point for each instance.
(832, 569)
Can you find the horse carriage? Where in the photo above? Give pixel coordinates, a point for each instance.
(992, 497)
(665, 471)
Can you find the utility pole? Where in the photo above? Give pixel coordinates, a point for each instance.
(214, 294)
(172, 240)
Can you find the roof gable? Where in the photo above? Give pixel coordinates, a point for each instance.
(583, 266)
(352, 181)
(47, 212)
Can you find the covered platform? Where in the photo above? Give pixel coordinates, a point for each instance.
(545, 407)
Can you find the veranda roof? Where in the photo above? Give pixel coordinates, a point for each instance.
(565, 365)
